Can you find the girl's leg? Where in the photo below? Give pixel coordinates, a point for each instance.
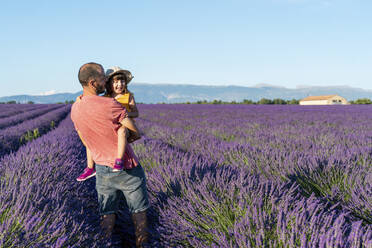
(89, 171)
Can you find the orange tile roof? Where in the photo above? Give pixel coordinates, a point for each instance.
(316, 98)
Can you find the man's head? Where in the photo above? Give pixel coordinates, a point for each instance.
(92, 77)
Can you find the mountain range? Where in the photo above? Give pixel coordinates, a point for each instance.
(173, 93)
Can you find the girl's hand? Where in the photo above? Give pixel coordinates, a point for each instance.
(132, 103)
(117, 96)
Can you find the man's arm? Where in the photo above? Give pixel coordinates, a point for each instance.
(123, 134)
(129, 124)
(122, 141)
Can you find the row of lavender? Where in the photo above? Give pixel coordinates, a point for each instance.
(28, 128)
(199, 198)
(7, 110)
(41, 203)
(23, 116)
(324, 152)
(201, 204)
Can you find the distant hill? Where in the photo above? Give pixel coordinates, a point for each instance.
(171, 93)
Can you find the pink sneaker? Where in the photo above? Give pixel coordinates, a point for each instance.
(87, 173)
(118, 165)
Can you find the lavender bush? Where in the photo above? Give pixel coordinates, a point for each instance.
(7, 110)
(327, 150)
(200, 204)
(41, 203)
(218, 176)
(12, 137)
(34, 113)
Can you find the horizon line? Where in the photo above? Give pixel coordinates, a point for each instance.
(260, 85)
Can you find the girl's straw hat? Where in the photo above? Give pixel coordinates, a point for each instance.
(117, 70)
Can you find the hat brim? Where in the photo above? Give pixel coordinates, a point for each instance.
(128, 75)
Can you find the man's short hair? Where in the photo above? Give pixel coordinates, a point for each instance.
(88, 72)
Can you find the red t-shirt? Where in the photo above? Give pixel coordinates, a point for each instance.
(97, 119)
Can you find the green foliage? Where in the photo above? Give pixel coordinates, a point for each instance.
(202, 102)
(265, 101)
(293, 101)
(30, 102)
(11, 102)
(247, 101)
(36, 133)
(279, 101)
(362, 101)
(30, 135)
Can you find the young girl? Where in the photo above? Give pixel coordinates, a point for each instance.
(116, 87)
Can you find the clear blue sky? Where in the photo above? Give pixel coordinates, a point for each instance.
(279, 42)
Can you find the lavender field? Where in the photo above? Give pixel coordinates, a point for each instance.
(218, 176)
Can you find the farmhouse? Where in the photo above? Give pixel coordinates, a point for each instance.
(323, 100)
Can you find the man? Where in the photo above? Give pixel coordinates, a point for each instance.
(97, 120)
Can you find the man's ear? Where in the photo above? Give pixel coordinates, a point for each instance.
(91, 83)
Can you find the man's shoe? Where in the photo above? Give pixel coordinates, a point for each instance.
(88, 173)
(140, 227)
(107, 224)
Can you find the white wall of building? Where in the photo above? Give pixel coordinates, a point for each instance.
(336, 100)
(317, 102)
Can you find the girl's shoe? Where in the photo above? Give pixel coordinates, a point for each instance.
(118, 165)
(87, 173)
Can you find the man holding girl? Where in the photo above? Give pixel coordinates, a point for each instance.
(104, 127)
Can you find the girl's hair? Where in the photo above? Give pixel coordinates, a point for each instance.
(109, 83)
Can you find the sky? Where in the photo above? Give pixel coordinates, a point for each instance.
(287, 43)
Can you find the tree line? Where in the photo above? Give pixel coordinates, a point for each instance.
(273, 101)
(361, 101)
(246, 101)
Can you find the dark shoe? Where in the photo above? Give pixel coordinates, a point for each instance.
(140, 227)
(133, 136)
(107, 224)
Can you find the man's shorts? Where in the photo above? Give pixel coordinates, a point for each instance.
(131, 182)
